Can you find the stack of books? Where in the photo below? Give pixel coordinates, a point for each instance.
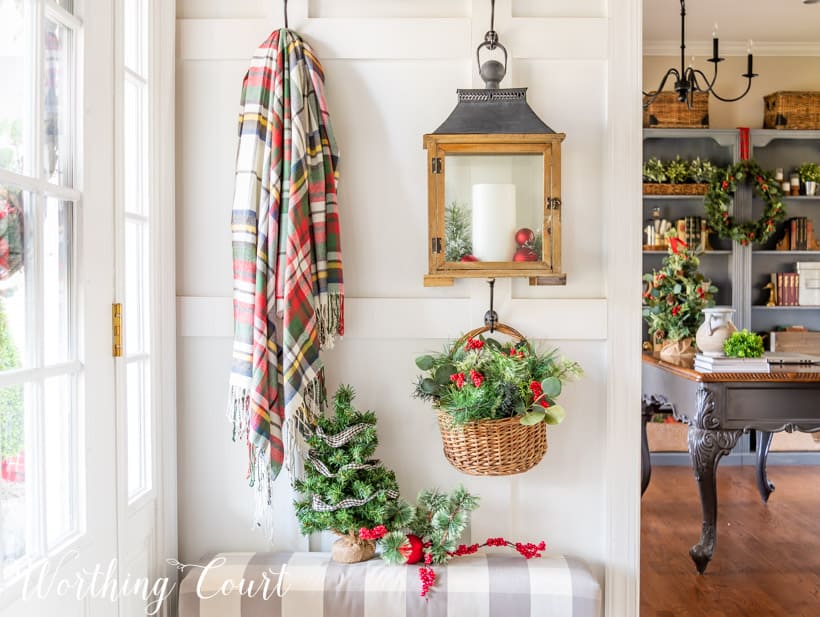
(787, 286)
(722, 364)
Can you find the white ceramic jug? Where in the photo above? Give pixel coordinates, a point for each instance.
(717, 326)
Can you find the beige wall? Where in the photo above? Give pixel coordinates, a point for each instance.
(776, 73)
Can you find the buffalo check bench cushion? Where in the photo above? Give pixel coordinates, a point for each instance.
(245, 585)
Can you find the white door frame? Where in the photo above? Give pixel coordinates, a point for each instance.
(623, 448)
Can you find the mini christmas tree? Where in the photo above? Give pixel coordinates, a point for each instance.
(344, 489)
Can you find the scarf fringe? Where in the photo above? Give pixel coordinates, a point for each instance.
(299, 426)
(330, 318)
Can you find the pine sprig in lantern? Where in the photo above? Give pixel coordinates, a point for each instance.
(458, 237)
(344, 488)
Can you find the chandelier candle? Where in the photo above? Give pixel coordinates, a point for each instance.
(494, 221)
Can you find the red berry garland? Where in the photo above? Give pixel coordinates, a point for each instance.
(527, 550)
(723, 188)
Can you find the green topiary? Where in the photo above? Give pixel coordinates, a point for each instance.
(344, 488)
(744, 344)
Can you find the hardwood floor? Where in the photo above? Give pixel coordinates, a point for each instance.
(767, 560)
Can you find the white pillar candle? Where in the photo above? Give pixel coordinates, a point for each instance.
(494, 221)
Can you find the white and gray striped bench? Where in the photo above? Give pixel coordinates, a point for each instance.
(314, 586)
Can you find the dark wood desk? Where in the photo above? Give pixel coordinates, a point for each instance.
(719, 408)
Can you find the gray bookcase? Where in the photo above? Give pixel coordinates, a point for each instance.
(740, 272)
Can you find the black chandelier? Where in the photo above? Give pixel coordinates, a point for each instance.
(689, 80)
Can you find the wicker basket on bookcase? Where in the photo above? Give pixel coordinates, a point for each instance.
(667, 112)
(492, 447)
(792, 110)
(656, 188)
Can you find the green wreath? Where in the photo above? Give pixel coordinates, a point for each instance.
(719, 196)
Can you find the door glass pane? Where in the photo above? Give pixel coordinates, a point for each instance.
(488, 198)
(136, 287)
(139, 427)
(57, 265)
(12, 473)
(134, 29)
(68, 5)
(134, 146)
(60, 459)
(16, 68)
(15, 278)
(58, 104)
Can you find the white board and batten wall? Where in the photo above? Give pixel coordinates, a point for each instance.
(392, 69)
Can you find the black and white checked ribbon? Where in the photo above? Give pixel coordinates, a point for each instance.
(320, 506)
(322, 468)
(340, 439)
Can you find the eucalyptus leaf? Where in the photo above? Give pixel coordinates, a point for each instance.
(443, 374)
(425, 363)
(429, 386)
(533, 417)
(555, 414)
(551, 386)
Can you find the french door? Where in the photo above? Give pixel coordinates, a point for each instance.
(79, 484)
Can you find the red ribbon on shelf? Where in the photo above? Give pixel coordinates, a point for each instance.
(744, 143)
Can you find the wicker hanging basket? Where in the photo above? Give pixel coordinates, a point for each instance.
(492, 447)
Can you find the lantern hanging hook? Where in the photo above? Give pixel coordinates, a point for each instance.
(491, 317)
(285, 10)
(492, 71)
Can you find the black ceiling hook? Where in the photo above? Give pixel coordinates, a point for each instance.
(491, 317)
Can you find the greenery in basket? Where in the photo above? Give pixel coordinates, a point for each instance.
(484, 379)
(744, 344)
(654, 171)
(675, 296)
(809, 172)
(701, 171)
(679, 171)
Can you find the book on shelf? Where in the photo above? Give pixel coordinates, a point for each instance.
(798, 235)
(786, 288)
(723, 364)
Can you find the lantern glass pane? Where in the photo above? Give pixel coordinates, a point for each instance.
(494, 207)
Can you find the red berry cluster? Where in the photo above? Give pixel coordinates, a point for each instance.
(427, 577)
(474, 343)
(464, 549)
(377, 533)
(538, 394)
(495, 542)
(530, 550)
(516, 353)
(458, 379)
(476, 377)
(428, 558)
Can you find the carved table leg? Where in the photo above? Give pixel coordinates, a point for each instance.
(650, 405)
(707, 446)
(764, 487)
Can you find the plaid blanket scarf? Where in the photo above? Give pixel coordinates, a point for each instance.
(287, 262)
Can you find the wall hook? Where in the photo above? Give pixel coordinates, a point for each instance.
(491, 317)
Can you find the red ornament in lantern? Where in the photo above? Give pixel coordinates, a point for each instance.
(524, 236)
(469, 258)
(413, 549)
(525, 254)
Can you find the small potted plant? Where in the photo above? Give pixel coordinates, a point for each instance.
(744, 344)
(810, 175)
(674, 298)
(493, 400)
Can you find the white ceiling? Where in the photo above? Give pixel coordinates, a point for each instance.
(788, 22)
